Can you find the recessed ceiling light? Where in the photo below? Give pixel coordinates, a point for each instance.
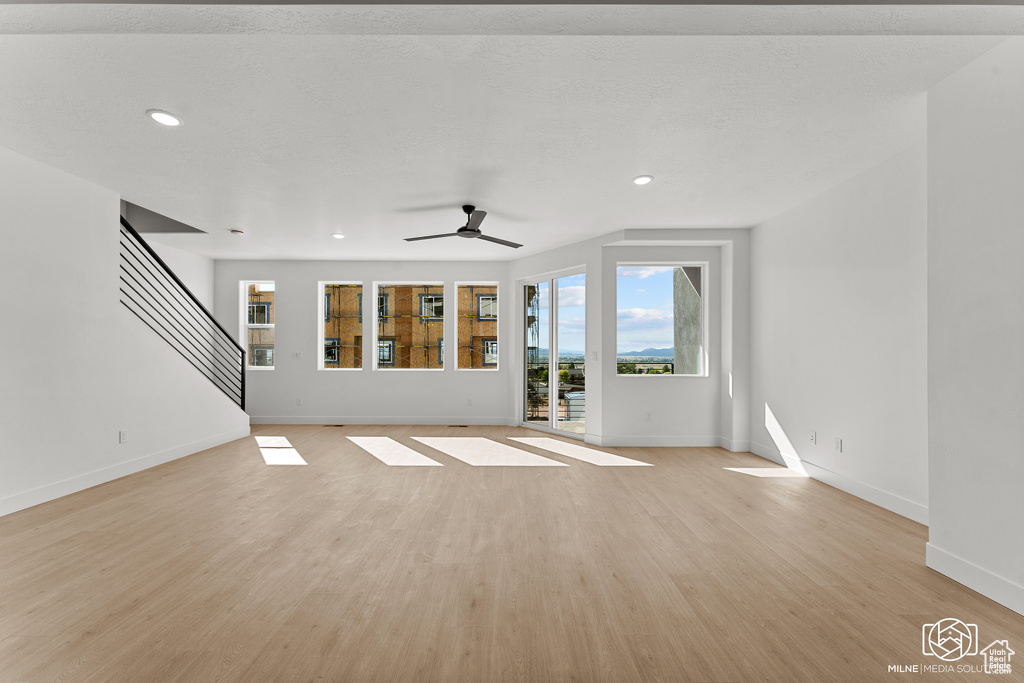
(643, 179)
(166, 118)
(337, 236)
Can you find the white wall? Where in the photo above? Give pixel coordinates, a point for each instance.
(839, 324)
(79, 366)
(976, 324)
(366, 396)
(685, 411)
(194, 270)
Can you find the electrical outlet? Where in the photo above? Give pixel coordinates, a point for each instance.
(648, 417)
(122, 436)
(838, 445)
(297, 355)
(469, 401)
(298, 401)
(814, 437)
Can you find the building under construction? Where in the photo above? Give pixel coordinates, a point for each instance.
(410, 326)
(260, 324)
(343, 326)
(478, 327)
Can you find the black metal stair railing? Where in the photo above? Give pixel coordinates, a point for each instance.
(158, 298)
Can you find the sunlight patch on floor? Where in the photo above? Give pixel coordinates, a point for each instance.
(281, 456)
(273, 442)
(481, 452)
(571, 450)
(768, 472)
(392, 453)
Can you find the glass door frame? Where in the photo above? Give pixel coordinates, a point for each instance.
(552, 281)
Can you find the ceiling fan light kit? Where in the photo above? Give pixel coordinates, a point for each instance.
(470, 230)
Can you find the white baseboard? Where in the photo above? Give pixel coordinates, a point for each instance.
(377, 420)
(880, 497)
(657, 441)
(993, 586)
(48, 492)
(734, 446)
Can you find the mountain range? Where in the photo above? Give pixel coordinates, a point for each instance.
(650, 353)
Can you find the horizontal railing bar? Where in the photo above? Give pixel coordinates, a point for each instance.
(207, 355)
(132, 248)
(201, 348)
(234, 396)
(174, 342)
(218, 357)
(179, 282)
(180, 338)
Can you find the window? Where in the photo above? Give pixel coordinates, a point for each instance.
(477, 322)
(386, 352)
(490, 352)
(257, 324)
(342, 330)
(259, 313)
(262, 356)
(487, 305)
(431, 306)
(411, 317)
(660, 325)
(382, 305)
(331, 345)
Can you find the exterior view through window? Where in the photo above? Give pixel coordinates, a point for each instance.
(342, 335)
(478, 326)
(410, 326)
(258, 323)
(555, 367)
(660, 320)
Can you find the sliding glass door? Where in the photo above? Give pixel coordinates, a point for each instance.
(555, 369)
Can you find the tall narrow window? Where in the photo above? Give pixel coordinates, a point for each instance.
(342, 331)
(410, 326)
(660, 326)
(258, 323)
(478, 326)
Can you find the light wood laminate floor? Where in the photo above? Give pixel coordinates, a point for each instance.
(217, 567)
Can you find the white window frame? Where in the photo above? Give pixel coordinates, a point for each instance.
(551, 277)
(705, 267)
(376, 285)
(497, 324)
(321, 317)
(244, 326)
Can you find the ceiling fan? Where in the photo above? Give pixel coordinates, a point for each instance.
(470, 229)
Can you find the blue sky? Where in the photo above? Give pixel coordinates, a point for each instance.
(643, 308)
(571, 314)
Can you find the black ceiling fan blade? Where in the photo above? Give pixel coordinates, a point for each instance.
(498, 241)
(430, 237)
(475, 219)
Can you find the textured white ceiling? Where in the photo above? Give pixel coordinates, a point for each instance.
(292, 137)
